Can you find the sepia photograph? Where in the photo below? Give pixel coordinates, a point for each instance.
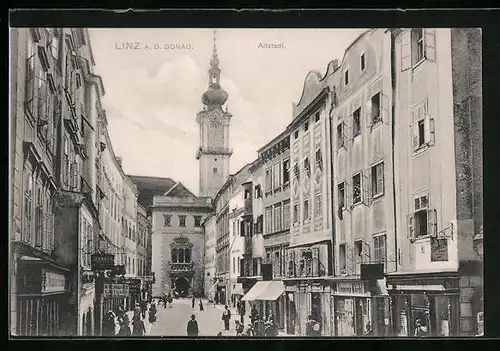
(245, 182)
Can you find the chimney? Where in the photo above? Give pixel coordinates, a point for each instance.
(119, 160)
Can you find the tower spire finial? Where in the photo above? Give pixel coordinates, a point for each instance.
(215, 43)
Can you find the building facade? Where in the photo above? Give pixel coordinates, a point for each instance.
(310, 252)
(222, 242)
(210, 281)
(363, 196)
(142, 252)
(178, 242)
(437, 75)
(275, 158)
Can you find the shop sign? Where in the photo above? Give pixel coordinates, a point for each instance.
(358, 288)
(480, 323)
(102, 262)
(344, 288)
(439, 250)
(116, 290)
(53, 282)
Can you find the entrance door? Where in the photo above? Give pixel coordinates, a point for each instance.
(316, 308)
(181, 286)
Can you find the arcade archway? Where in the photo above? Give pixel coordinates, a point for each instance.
(181, 286)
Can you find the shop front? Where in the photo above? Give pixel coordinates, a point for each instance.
(268, 298)
(43, 293)
(221, 292)
(86, 310)
(425, 304)
(360, 307)
(306, 298)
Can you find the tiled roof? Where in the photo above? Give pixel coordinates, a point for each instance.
(151, 186)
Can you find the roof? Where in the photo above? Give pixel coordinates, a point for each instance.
(179, 190)
(150, 187)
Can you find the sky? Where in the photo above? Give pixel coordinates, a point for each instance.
(154, 80)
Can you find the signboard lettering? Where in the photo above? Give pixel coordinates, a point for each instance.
(102, 261)
(358, 287)
(53, 282)
(439, 250)
(345, 288)
(116, 290)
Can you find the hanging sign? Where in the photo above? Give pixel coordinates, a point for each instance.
(102, 262)
(116, 290)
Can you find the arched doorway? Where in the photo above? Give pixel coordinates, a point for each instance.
(181, 286)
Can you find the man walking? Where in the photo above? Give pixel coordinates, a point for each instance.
(193, 300)
(192, 326)
(242, 311)
(226, 317)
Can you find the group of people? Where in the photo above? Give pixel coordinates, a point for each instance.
(258, 326)
(135, 327)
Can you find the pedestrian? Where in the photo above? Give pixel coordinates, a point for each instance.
(192, 326)
(138, 328)
(201, 305)
(144, 308)
(109, 324)
(270, 329)
(253, 314)
(137, 310)
(193, 300)
(312, 327)
(242, 311)
(226, 317)
(124, 326)
(250, 331)
(239, 328)
(258, 326)
(420, 330)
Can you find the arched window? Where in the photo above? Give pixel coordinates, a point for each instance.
(174, 255)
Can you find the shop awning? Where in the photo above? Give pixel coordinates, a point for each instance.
(265, 291)
(273, 290)
(255, 291)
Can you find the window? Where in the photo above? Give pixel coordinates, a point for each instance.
(28, 206)
(341, 195)
(295, 213)
(362, 61)
(197, 221)
(356, 189)
(346, 77)
(423, 127)
(258, 191)
(286, 172)
(307, 215)
(376, 115)
(307, 166)
(39, 218)
(318, 205)
(421, 220)
(277, 217)
(286, 215)
(269, 220)
(296, 134)
(417, 45)
(342, 259)
(356, 123)
(215, 170)
(319, 159)
(378, 179)
(379, 248)
(234, 264)
(182, 220)
(340, 135)
(247, 194)
(306, 126)
(269, 180)
(277, 176)
(316, 116)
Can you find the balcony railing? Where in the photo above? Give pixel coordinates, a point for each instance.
(180, 267)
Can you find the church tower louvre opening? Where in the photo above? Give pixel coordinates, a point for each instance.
(213, 153)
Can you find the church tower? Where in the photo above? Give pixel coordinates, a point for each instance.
(213, 153)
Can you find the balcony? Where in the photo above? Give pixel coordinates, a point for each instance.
(180, 268)
(213, 151)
